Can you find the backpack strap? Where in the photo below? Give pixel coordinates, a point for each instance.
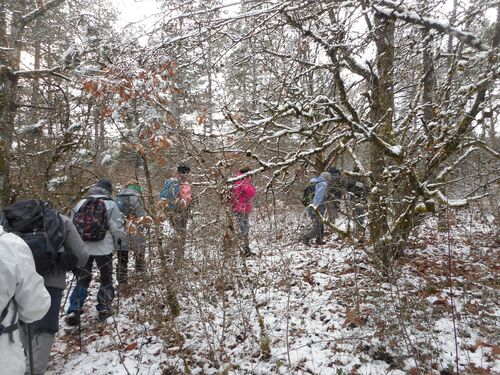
(13, 324)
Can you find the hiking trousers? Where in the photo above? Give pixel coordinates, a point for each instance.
(178, 220)
(316, 228)
(242, 219)
(43, 331)
(137, 245)
(106, 291)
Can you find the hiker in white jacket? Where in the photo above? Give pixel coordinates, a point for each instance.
(22, 297)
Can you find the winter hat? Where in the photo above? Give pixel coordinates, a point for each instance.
(327, 176)
(183, 169)
(134, 185)
(105, 183)
(334, 171)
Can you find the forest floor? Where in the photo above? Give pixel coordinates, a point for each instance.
(307, 310)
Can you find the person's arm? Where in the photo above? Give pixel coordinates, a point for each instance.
(319, 193)
(115, 220)
(74, 243)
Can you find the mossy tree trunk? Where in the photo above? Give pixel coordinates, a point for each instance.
(382, 107)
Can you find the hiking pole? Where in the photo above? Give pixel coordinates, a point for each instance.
(30, 348)
(69, 290)
(79, 315)
(118, 292)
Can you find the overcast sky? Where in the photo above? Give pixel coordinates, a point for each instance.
(133, 11)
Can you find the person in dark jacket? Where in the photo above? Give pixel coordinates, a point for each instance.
(358, 192)
(316, 229)
(335, 193)
(100, 252)
(130, 203)
(44, 330)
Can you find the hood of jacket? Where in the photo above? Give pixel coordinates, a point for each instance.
(315, 180)
(96, 190)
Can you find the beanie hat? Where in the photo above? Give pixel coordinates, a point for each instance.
(183, 169)
(333, 171)
(327, 176)
(134, 185)
(105, 183)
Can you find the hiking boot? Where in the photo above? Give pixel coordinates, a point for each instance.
(320, 242)
(104, 314)
(305, 241)
(73, 318)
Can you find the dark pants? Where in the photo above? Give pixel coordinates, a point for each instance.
(43, 331)
(244, 230)
(137, 245)
(106, 291)
(50, 322)
(178, 220)
(316, 229)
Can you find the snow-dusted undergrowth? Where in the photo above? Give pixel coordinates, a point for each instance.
(323, 310)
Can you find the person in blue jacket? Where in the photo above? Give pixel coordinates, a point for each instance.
(316, 229)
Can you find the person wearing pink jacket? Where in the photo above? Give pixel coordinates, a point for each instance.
(242, 196)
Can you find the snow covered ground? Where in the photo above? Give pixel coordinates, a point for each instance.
(318, 310)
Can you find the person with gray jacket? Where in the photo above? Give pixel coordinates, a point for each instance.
(44, 330)
(130, 203)
(100, 252)
(316, 229)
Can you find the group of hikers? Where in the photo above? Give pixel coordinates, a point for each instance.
(40, 245)
(325, 194)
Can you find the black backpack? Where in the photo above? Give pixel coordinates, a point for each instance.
(41, 227)
(308, 194)
(91, 219)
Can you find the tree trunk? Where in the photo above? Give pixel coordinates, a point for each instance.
(382, 113)
(442, 223)
(35, 83)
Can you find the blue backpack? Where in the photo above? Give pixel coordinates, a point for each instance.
(170, 192)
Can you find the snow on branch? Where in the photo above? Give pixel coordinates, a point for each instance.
(33, 15)
(448, 169)
(55, 71)
(298, 155)
(456, 203)
(354, 65)
(453, 203)
(395, 10)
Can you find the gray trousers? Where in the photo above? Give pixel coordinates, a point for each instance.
(43, 332)
(315, 229)
(178, 220)
(244, 229)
